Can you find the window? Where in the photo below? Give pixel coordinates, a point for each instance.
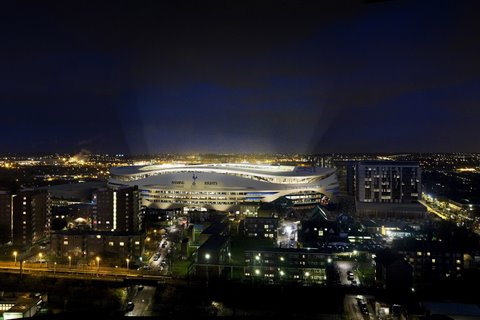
(137, 243)
(65, 243)
(122, 244)
(111, 243)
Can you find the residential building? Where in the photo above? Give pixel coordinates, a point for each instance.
(277, 265)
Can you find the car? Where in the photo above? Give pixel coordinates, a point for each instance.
(364, 309)
(130, 305)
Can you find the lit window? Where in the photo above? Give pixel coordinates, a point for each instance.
(458, 261)
(99, 236)
(433, 260)
(110, 243)
(428, 254)
(137, 243)
(65, 243)
(122, 244)
(419, 253)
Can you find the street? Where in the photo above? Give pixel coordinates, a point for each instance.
(143, 298)
(343, 268)
(353, 311)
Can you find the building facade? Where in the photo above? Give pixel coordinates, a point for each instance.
(260, 227)
(116, 210)
(225, 187)
(277, 265)
(5, 217)
(85, 244)
(432, 260)
(389, 189)
(31, 216)
(213, 257)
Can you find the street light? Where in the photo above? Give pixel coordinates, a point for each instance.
(54, 267)
(40, 255)
(15, 255)
(98, 264)
(207, 257)
(128, 261)
(69, 262)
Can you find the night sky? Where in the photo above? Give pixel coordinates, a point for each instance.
(259, 76)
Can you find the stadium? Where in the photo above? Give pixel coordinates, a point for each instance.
(225, 187)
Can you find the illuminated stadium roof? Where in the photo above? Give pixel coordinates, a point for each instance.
(223, 186)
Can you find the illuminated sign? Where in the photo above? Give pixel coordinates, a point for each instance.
(211, 183)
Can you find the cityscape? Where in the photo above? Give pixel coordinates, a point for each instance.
(280, 159)
(167, 234)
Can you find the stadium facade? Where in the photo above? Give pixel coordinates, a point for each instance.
(225, 187)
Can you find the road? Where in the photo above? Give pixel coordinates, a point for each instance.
(352, 310)
(143, 300)
(287, 235)
(343, 267)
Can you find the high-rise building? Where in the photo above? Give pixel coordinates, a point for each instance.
(5, 217)
(31, 216)
(389, 189)
(116, 210)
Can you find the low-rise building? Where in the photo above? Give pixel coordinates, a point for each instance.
(393, 273)
(215, 229)
(276, 265)
(431, 260)
(212, 256)
(260, 227)
(92, 243)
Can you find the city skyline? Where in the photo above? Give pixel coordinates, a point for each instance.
(357, 76)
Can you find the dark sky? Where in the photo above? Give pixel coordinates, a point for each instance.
(258, 76)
